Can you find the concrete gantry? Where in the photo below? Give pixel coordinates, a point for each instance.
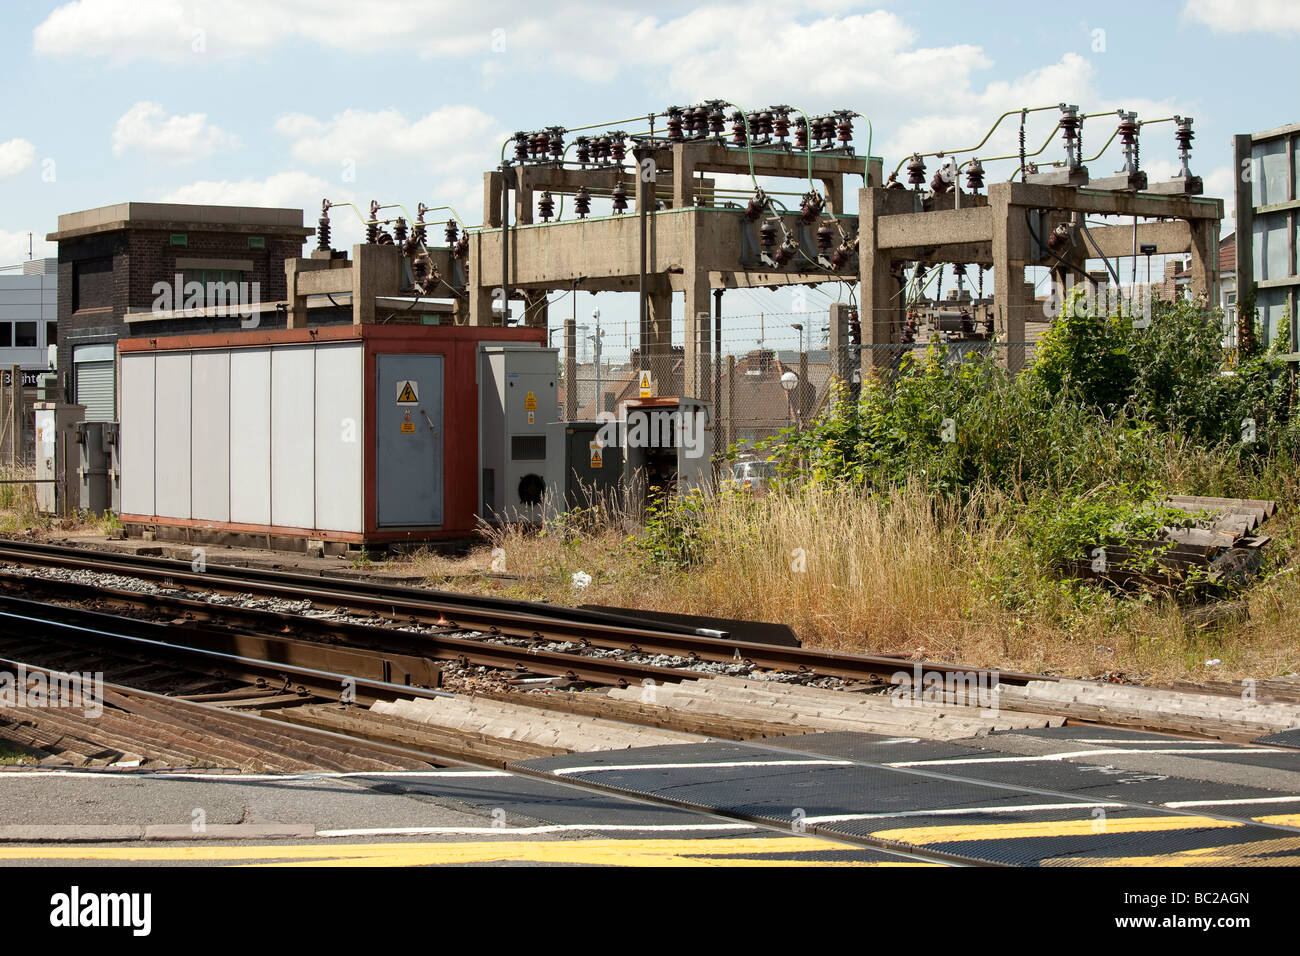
(695, 242)
(1007, 231)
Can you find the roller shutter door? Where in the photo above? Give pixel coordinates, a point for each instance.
(94, 389)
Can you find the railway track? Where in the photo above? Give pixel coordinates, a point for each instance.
(444, 617)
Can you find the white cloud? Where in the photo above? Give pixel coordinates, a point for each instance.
(291, 189)
(13, 247)
(147, 128)
(15, 156)
(1246, 16)
(451, 138)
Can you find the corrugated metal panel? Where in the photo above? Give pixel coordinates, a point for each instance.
(339, 438)
(250, 432)
(293, 437)
(172, 435)
(137, 434)
(210, 455)
(94, 389)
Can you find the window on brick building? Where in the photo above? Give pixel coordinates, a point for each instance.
(92, 284)
(220, 286)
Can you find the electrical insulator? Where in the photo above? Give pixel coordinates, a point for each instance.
(809, 207)
(754, 208)
(824, 134)
(738, 129)
(556, 142)
(785, 253)
(717, 118)
(420, 270)
(584, 150)
(538, 145)
(419, 231)
(675, 124)
(1127, 130)
(800, 133)
(767, 234)
(916, 171)
(452, 232)
(399, 230)
(939, 185)
(546, 206)
(844, 129)
(825, 236)
(1183, 136)
(891, 181)
(781, 126)
(620, 198)
(521, 147)
(700, 121)
(384, 238)
(840, 258)
(617, 148)
(323, 227)
(1070, 124)
(974, 176)
(462, 247)
(755, 126)
(1059, 239)
(765, 124)
(855, 328)
(372, 232)
(410, 246)
(582, 202)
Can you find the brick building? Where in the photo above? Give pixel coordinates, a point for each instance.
(111, 258)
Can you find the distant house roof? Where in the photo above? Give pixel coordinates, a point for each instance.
(1228, 253)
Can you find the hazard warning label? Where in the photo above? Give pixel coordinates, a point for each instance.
(530, 402)
(596, 460)
(408, 392)
(644, 384)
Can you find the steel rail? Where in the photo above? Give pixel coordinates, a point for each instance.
(520, 621)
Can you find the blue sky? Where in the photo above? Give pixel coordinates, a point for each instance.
(259, 102)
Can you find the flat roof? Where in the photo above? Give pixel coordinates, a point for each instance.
(180, 216)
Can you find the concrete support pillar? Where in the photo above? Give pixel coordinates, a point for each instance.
(1205, 260)
(658, 351)
(297, 317)
(683, 176)
(1010, 308)
(492, 200)
(841, 356)
(376, 271)
(882, 307)
(834, 186)
(536, 313)
(570, 370)
(697, 377)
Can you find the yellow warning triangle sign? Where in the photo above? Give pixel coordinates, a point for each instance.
(407, 395)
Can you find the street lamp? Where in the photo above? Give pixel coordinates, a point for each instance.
(799, 327)
(789, 382)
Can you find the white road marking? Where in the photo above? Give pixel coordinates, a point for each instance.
(1243, 801)
(554, 828)
(564, 771)
(962, 811)
(945, 762)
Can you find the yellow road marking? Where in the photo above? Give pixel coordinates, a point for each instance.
(721, 852)
(922, 836)
(1281, 819)
(1260, 853)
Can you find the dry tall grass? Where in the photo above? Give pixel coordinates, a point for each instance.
(909, 573)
